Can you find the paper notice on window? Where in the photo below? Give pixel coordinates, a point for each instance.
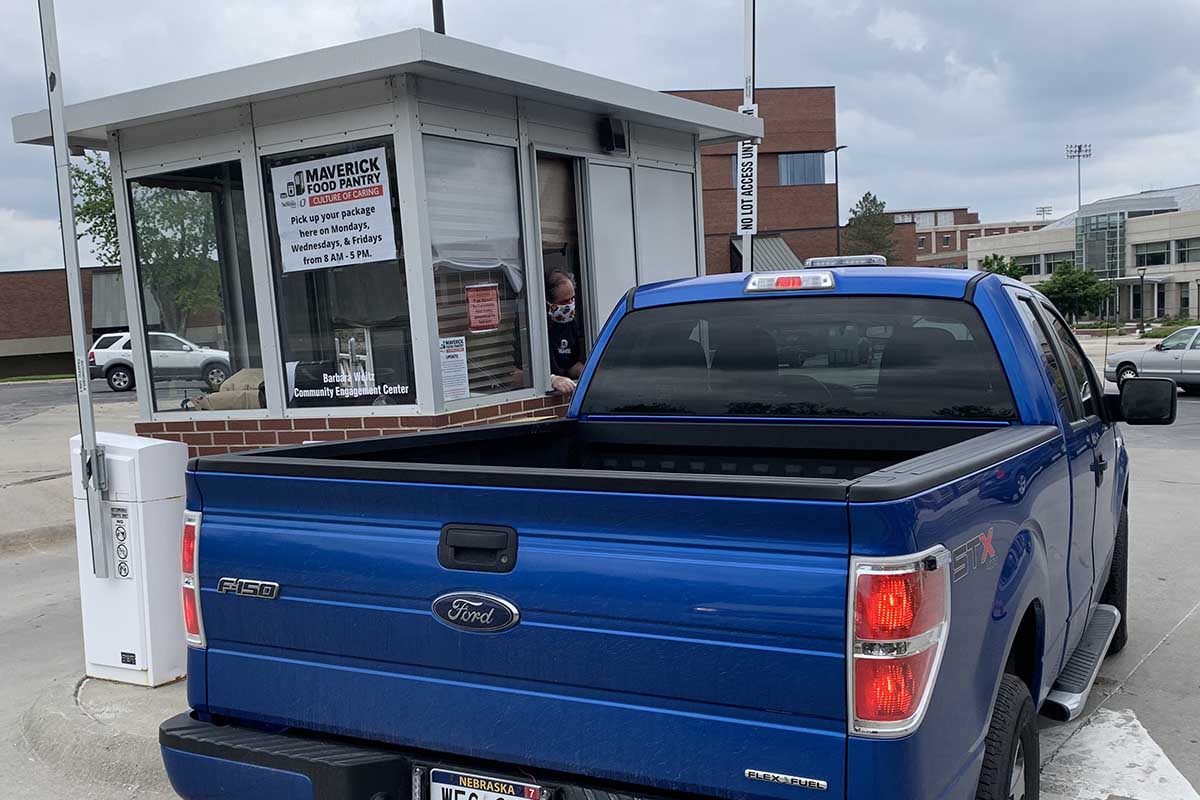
(483, 307)
(454, 368)
(335, 211)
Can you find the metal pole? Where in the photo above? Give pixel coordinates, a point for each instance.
(837, 201)
(1079, 182)
(747, 100)
(1142, 302)
(92, 457)
(439, 17)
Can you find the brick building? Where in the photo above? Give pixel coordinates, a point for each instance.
(940, 235)
(35, 318)
(797, 189)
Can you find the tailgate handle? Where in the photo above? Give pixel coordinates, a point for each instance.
(478, 548)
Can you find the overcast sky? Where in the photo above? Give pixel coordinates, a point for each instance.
(940, 103)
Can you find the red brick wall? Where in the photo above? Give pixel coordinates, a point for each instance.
(780, 208)
(795, 120)
(34, 304)
(219, 437)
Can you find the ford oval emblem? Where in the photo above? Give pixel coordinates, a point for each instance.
(475, 612)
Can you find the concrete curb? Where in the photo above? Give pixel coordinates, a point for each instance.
(34, 538)
(90, 748)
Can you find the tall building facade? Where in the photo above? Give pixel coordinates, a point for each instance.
(1146, 245)
(941, 235)
(797, 189)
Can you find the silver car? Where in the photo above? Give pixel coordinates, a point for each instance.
(1177, 356)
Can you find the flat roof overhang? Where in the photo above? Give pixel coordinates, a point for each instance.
(416, 52)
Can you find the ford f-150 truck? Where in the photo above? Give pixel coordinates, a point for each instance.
(724, 574)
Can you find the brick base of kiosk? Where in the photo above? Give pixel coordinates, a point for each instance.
(221, 436)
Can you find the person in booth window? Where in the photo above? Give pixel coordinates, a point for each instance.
(564, 333)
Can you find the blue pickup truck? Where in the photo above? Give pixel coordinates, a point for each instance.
(859, 572)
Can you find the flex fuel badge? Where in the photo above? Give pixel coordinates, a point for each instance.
(789, 780)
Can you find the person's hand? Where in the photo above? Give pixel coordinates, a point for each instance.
(561, 385)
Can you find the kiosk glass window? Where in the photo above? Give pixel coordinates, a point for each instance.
(197, 292)
(345, 331)
(478, 267)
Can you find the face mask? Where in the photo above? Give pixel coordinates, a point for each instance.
(561, 313)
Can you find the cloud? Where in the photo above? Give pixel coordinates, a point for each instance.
(940, 103)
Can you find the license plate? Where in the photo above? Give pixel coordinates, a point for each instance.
(448, 785)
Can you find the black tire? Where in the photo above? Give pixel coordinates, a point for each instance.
(214, 374)
(1126, 371)
(1116, 590)
(1013, 733)
(119, 378)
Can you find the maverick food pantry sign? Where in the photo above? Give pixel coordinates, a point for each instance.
(333, 212)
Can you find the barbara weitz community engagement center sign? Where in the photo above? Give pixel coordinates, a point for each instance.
(331, 212)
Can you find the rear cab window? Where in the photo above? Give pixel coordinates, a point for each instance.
(825, 357)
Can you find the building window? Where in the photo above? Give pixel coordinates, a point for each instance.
(1100, 244)
(1030, 265)
(1184, 300)
(193, 263)
(345, 331)
(1187, 251)
(801, 169)
(1160, 297)
(920, 242)
(478, 267)
(1054, 259)
(1152, 254)
(945, 240)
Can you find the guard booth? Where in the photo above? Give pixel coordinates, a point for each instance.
(355, 240)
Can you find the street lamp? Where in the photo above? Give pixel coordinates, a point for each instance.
(1044, 211)
(1079, 152)
(1142, 298)
(837, 198)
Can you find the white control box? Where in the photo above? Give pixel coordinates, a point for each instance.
(133, 620)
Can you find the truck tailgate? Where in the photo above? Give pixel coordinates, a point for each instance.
(664, 640)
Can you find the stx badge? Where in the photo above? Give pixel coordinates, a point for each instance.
(973, 554)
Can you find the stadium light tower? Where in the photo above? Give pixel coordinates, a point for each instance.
(1079, 152)
(1044, 211)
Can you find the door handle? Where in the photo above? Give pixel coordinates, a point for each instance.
(478, 548)
(1098, 467)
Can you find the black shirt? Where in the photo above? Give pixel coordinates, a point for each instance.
(566, 346)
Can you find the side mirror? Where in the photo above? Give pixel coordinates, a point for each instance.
(1147, 401)
(187, 348)
(1158, 346)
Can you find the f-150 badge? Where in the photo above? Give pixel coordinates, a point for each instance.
(267, 590)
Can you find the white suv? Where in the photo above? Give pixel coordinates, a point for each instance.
(171, 357)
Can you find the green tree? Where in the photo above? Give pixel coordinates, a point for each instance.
(870, 229)
(91, 184)
(176, 238)
(1001, 265)
(1074, 291)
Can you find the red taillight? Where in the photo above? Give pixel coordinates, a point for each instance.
(192, 620)
(897, 605)
(191, 613)
(189, 548)
(889, 689)
(91, 358)
(900, 610)
(789, 282)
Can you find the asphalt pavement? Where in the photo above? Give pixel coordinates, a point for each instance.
(22, 399)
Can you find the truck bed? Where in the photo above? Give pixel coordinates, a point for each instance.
(827, 461)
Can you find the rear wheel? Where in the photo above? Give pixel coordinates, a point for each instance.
(1010, 759)
(119, 378)
(214, 375)
(1116, 590)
